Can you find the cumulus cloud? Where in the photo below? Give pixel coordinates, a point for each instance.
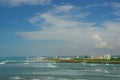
(112, 26)
(23, 2)
(60, 23)
(112, 32)
(96, 37)
(59, 27)
(99, 41)
(63, 8)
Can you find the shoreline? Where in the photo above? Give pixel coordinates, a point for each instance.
(87, 61)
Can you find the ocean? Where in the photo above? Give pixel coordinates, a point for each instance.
(58, 71)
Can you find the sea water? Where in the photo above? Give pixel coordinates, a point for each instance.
(58, 71)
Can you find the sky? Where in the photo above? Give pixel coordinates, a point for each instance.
(59, 27)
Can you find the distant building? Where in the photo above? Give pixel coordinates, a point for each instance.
(40, 59)
(107, 56)
(56, 56)
(77, 56)
(65, 58)
(92, 56)
(99, 57)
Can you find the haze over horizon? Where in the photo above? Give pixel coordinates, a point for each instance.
(59, 27)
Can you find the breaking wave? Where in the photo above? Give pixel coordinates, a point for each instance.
(51, 65)
(2, 62)
(15, 78)
(26, 63)
(45, 78)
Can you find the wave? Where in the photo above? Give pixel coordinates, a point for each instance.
(93, 64)
(46, 65)
(52, 78)
(15, 78)
(114, 75)
(107, 64)
(11, 61)
(22, 78)
(96, 70)
(26, 63)
(100, 70)
(51, 65)
(42, 78)
(36, 79)
(83, 63)
(2, 62)
(70, 72)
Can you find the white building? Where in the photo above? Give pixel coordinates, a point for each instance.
(107, 56)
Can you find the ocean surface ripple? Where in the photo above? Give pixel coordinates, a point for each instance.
(58, 71)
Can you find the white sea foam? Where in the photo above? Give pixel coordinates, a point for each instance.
(26, 63)
(83, 63)
(45, 78)
(107, 64)
(21, 78)
(93, 64)
(100, 70)
(15, 78)
(50, 65)
(5, 61)
(35, 79)
(52, 78)
(2, 62)
(95, 70)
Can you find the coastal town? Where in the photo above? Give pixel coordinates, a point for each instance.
(107, 58)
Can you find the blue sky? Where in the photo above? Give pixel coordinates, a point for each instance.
(59, 27)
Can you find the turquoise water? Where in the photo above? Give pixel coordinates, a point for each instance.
(58, 71)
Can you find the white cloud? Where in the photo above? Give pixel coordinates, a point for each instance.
(96, 37)
(63, 26)
(112, 26)
(60, 27)
(112, 33)
(60, 16)
(102, 44)
(99, 41)
(23, 2)
(115, 4)
(63, 8)
(105, 4)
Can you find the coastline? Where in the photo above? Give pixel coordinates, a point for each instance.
(88, 61)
